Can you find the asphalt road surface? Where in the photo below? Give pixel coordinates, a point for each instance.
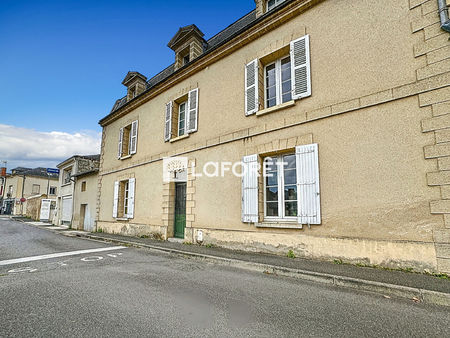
(115, 291)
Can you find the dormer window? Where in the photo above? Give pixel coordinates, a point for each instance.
(187, 44)
(136, 84)
(271, 4)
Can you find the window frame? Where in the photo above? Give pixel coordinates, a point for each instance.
(67, 175)
(280, 186)
(185, 104)
(126, 196)
(278, 81)
(277, 2)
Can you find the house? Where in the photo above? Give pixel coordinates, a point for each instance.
(85, 199)
(71, 168)
(335, 114)
(24, 183)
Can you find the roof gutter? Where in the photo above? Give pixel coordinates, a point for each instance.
(443, 14)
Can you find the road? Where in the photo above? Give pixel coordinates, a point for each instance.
(137, 292)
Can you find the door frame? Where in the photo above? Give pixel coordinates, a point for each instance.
(175, 210)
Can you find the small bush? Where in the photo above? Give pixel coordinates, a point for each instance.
(290, 254)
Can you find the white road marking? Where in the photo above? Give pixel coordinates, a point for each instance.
(56, 255)
(114, 255)
(27, 269)
(92, 258)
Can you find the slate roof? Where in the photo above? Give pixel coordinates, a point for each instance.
(39, 172)
(223, 36)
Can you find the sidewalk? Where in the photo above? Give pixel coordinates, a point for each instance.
(415, 286)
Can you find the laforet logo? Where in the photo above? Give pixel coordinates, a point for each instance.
(172, 166)
(175, 165)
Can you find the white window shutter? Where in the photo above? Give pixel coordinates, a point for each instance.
(133, 137)
(250, 189)
(168, 122)
(308, 185)
(300, 68)
(131, 189)
(192, 111)
(119, 150)
(251, 88)
(116, 199)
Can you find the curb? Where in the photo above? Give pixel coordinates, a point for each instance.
(416, 294)
(386, 289)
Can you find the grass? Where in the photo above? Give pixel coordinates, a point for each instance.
(209, 245)
(290, 254)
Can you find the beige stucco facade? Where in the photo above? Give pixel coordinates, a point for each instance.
(85, 201)
(378, 112)
(16, 188)
(68, 208)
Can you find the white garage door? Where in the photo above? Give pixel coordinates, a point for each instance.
(66, 209)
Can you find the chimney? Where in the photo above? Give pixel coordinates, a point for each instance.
(3, 171)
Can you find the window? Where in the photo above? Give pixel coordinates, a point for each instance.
(133, 92)
(273, 3)
(52, 191)
(124, 199)
(290, 184)
(285, 74)
(66, 175)
(83, 186)
(125, 187)
(186, 59)
(10, 190)
(128, 140)
(278, 87)
(281, 187)
(181, 118)
(35, 189)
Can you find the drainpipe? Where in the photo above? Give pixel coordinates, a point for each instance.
(443, 13)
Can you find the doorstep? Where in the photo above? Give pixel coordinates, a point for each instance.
(175, 240)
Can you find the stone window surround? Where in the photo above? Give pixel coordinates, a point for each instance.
(126, 124)
(180, 97)
(120, 179)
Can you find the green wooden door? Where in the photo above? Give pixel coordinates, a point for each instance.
(180, 209)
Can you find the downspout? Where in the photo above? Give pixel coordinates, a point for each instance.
(443, 14)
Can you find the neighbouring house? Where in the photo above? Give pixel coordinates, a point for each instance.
(85, 200)
(67, 210)
(347, 125)
(24, 183)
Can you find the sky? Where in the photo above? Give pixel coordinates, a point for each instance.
(62, 64)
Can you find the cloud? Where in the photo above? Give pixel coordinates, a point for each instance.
(32, 148)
